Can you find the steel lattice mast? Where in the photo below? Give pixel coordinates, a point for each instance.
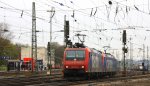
(34, 39)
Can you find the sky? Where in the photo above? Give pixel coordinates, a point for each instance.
(102, 22)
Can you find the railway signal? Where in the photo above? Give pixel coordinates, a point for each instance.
(125, 50)
(67, 30)
(124, 36)
(66, 34)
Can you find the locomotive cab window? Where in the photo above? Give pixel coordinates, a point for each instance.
(75, 54)
(80, 54)
(70, 54)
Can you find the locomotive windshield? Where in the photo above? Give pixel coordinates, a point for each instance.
(75, 54)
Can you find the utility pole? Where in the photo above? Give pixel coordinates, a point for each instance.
(131, 54)
(48, 55)
(34, 39)
(143, 63)
(65, 43)
(52, 13)
(147, 59)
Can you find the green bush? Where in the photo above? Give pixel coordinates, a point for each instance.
(3, 68)
(3, 62)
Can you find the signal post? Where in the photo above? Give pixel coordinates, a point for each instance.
(125, 50)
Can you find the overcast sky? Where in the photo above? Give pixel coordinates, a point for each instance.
(104, 22)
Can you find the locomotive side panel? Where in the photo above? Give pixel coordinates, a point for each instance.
(87, 59)
(115, 63)
(100, 62)
(95, 61)
(111, 64)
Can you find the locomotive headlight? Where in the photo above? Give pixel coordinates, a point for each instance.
(66, 66)
(82, 66)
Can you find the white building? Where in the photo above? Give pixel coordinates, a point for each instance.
(41, 54)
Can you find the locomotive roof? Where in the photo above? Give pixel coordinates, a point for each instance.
(109, 55)
(76, 48)
(95, 50)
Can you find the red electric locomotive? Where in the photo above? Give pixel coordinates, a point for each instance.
(75, 61)
(88, 62)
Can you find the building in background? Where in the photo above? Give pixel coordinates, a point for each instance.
(41, 55)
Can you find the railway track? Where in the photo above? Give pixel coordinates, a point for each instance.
(91, 82)
(57, 80)
(22, 81)
(109, 81)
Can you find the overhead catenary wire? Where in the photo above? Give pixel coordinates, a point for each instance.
(133, 8)
(67, 6)
(64, 5)
(44, 20)
(29, 15)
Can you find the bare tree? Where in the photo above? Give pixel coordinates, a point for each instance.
(6, 47)
(4, 31)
